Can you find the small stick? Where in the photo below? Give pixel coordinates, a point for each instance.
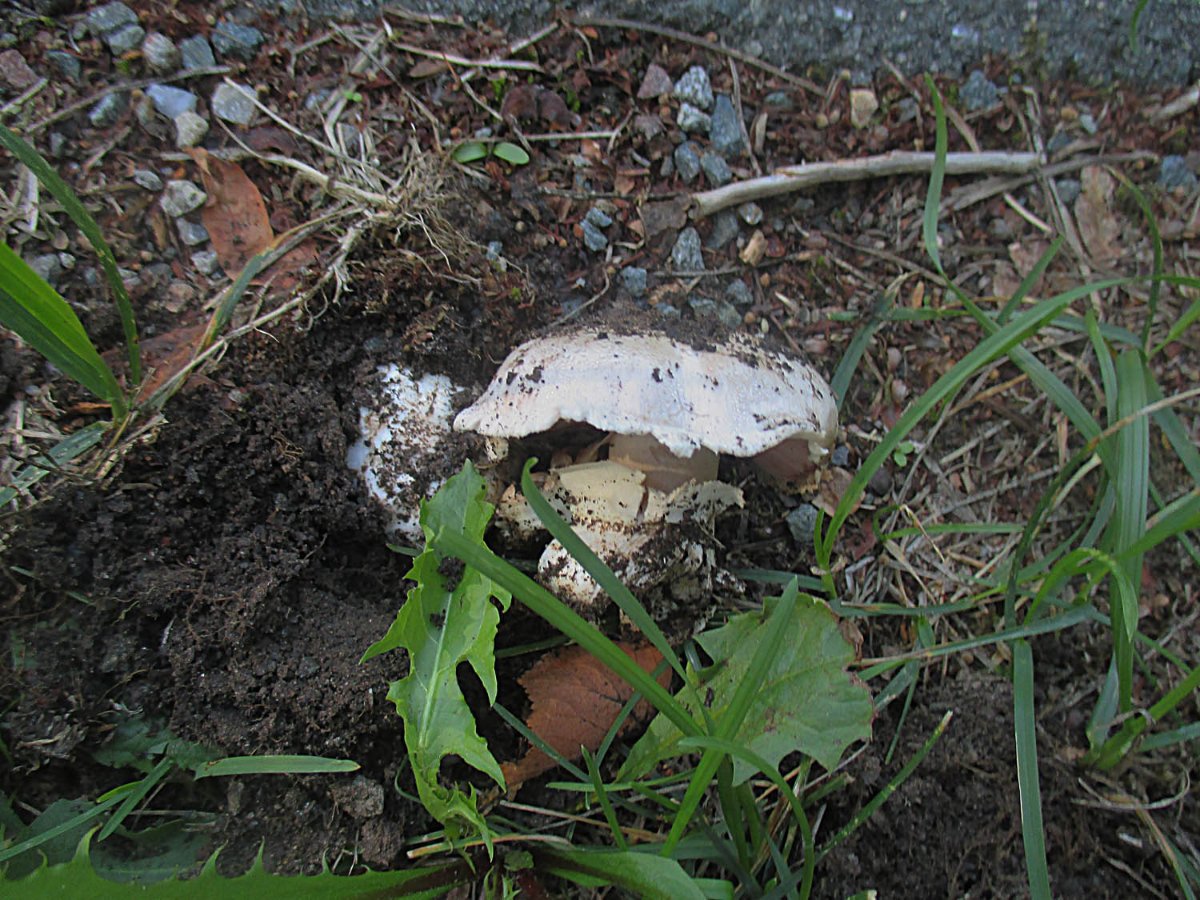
(519, 64)
(517, 47)
(741, 117)
(684, 37)
(794, 178)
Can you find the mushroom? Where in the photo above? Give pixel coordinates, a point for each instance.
(403, 452)
(645, 495)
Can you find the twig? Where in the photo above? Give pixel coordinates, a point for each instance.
(1178, 106)
(794, 178)
(451, 59)
(968, 195)
(518, 46)
(20, 101)
(685, 38)
(741, 118)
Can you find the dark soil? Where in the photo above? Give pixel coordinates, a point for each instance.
(225, 579)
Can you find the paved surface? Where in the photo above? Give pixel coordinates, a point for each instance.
(1087, 39)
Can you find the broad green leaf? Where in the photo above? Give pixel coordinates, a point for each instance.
(511, 153)
(807, 701)
(643, 874)
(44, 320)
(442, 627)
(275, 765)
(471, 151)
(79, 878)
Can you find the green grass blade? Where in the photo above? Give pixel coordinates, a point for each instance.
(729, 723)
(136, 796)
(1132, 444)
(1186, 321)
(1032, 831)
(83, 219)
(1027, 283)
(54, 459)
(44, 320)
(1156, 243)
(63, 828)
(275, 765)
(857, 347)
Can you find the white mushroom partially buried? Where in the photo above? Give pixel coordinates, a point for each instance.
(645, 493)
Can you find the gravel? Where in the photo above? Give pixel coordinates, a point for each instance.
(726, 133)
(125, 40)
(110, 17)
(66, 64)
(190, 129)
(739, 293)
(193, 234)
(687, 161)
(171, 102)
(206, 262)
(593, 237)
(802, 523)
(160, 53)
(750, 213)
(716, 170)
(724, 230)
(144, 178)
(235, 41)
(108, 110)
(634, 280)
(695, 88)
(231, 103)
(1175, 174)
(693, 119)
(181, 197)
(686, 255)
(195, 53)
(978, 93)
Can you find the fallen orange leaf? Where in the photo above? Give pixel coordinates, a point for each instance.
(235, 216)
(574, 700)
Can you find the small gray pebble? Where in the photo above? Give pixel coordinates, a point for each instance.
(840, 456)
(144, 178)
(129, 278)
(880, 483)
(751, 213)
(110, 17)
(695, 88)
(206, 262)
(1000, 229)
(703, 307)
(687, 161)
(316, 98)
(1176, 174)
(181, 197)
(667, 169)
(160, 53)
(108, 109)
(66, 64)
(190, 129)
(908, 109)
(686, 255)
(667, 311)
(67, 260)
(171, 101)
(123, 40)
(48, 266)
(1068, 189)
(739, 293)
(1058, 141)
(233, 105)
(593, 237)
(235, 41)
(692, 119)
(193, 234)
(598, 217)
(802, 523)
(726, 132)
(778, 99)
(725, 229)
(1088, 123)
(58, 143)
(196, 53)
(633, 278)
(978, 93)
(716, 170)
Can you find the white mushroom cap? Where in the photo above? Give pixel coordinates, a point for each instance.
(737, 398)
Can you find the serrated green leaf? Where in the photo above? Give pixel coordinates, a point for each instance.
(442, 627)
(471, 151)
(79, 878)
(511, 153)
(807, 701)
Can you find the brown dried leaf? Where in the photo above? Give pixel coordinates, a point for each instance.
(235, 216)
(574, 700)
(1093, 212)
(166, 354)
